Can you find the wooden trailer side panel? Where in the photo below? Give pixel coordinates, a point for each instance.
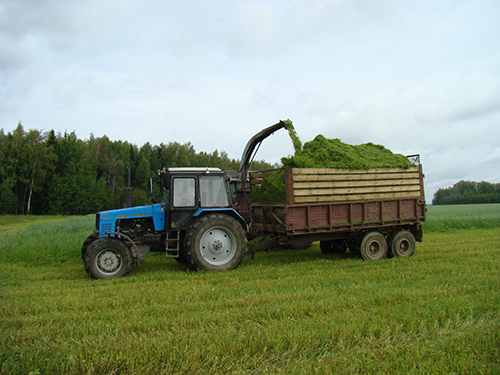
(329, 200)
(315, 185)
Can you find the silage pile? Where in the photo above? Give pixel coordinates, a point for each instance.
(322, 152)
(333, 153)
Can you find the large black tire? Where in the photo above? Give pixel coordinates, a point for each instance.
(86, 244)
(403, 244)
(353, 243)
(181, 259)
(333, 247)
(215, 242)
(107, 258)
(373, 246)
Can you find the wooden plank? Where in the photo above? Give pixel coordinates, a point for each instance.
(335, 184)
(356, 177)
(359, 190)
(315, 171)
(357, 197)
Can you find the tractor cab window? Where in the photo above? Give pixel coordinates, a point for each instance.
(184, 192)
(213, 191)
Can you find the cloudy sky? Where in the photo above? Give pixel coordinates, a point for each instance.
(419, 76)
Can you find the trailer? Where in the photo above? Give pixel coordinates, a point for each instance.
(374, 213)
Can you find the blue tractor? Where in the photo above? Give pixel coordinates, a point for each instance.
(195, 220)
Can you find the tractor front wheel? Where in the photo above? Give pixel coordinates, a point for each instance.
(86, 244)
(107, 258)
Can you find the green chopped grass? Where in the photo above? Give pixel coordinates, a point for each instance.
(326, 153)
(333, 153)
(297, 143)
(272, 188)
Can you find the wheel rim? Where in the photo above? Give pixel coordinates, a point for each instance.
(374, 248)
(218, 245)
(403, 247)
(109, 262)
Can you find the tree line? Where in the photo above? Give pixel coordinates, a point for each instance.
(44, 172)
(468, 192)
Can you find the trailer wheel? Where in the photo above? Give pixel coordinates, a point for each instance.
(215, 242)
(403, 244)
(333, 247)
(107, 258)
(353, 243)
(300, 245)
(373, 246)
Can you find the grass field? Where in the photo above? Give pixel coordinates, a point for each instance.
(466, 216)
(290, 312)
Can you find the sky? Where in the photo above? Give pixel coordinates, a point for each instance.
(419, 77)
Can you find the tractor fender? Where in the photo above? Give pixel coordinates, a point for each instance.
(227, 211)
(138, 252)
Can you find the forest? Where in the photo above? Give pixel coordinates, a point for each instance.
(468, 192)
(44, 172)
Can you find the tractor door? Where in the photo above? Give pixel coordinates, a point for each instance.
(183, 200)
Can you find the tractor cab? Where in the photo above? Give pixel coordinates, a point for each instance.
(192, 191)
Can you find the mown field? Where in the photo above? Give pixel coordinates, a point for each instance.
(290, 312)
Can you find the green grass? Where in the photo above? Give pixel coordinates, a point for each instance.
(43, 239)
(290, 312)
(466, 216)
(14, 222)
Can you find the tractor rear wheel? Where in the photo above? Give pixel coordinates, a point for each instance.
(215, 242)
(107, 258)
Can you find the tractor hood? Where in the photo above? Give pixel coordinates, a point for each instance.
(107, 219)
